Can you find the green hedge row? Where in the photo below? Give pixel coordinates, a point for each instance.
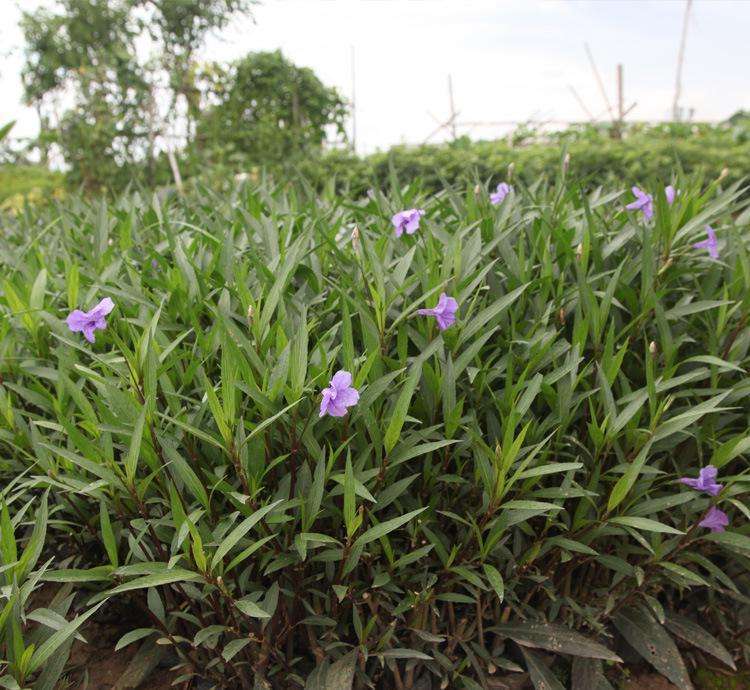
(636, 159)
(594, 159)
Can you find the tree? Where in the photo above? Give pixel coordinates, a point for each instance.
(264, 109)
(125, 67)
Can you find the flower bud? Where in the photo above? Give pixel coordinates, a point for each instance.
(355, 237)
(652, 348)
(510, 170)
(579, 251)
(566, 162)
(477, 189)
(724, 173)
(250, 314)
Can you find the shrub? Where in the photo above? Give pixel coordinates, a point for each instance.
(503, 486)
(593, 161)
(28, 183)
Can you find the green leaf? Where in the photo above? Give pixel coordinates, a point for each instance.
(554, 638)
(166, 577)
(134, 636)
(108, 536)
(541, 676)
(386, 527)
(58, 638)
(231, 649)
(652, 642)
(495, 579)
(587, 674)
(398, 416)
(694, 634)
(134, 450)
(645, 524)
(233, 538)
(250, 608)
(340, 674)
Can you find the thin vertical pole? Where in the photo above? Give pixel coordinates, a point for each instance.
(453, 108)
(680, 60)
(599, 81)
(620, 99)
(354, 104)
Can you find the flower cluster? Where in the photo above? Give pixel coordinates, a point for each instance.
(716, 520)
(644, 203)
(340, 394)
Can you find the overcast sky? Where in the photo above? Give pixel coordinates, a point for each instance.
(509, 59)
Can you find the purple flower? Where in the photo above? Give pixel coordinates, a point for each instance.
(711, 244)
(643, 202)
(339, 395)
(444, 312)
(407, 220)
(90, 321)
(716, 520)
(154, 263)
(503, 189)
(706, 481)
(670, 192)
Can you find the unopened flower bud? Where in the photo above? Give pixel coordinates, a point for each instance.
(477, 189)
(579, 251)
(510, 170)
(250, 314)
(566, 162)
(491, 668)
(724, 173)
(652, 348)
(355, 237)
(561, 316)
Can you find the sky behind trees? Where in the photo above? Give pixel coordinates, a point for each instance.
(509, 60)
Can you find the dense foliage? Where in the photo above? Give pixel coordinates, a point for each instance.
(595, 157)
(126, 71)
(264, 110)
(502, 496)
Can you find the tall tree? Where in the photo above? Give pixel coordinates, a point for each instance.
(111, 78)
(263, 108)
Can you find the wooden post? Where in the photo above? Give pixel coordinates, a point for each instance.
(175, 170)
(453, 108)
(680, 60)
(354, 105)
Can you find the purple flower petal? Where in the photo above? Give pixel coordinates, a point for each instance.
(444, 312)
(339, 395)
(716, 520)
(77, 320)
(712, 243)
(706, 481)
(643, 202)
(503, 189)
(89, 321)
(407, 220)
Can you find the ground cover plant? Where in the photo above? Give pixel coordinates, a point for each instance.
(410, 440)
